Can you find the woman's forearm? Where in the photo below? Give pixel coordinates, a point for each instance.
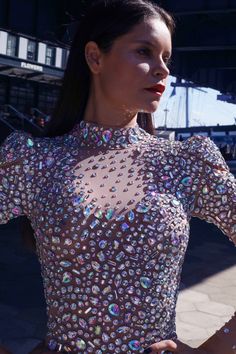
(224, 340)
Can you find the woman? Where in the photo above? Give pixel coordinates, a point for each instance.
(110, 203)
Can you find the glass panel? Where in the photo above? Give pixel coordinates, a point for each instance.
(31, 50)
(50, 55)
(11, 45)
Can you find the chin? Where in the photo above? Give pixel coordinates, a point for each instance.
(151, 108)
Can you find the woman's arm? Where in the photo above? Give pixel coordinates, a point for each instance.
(15, 175)
(215, 202)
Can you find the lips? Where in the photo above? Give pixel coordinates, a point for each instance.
(159, 89)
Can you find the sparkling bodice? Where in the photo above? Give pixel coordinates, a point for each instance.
(90, 134)
(110, 209)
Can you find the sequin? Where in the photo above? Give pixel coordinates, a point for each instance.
(5, 183)
(98, 330)
(95, 289)
(129, 249)
(134, 344)
(106, 290)
(102, 244)
(16, 211)
(98, 214)
(145, 282)
(124, 226)
(114, 309)
(30, 143)
(83, 323)
(80, 344)
(110, 209)
(150, 264)
(187, 181)
(175, 202)
(67, 277)
(121, 140)
(101, 256)
(52, 344)
(65, 264)
(109, 214)
(133, 139)
(141, 208)
(50, 161)
(106, 136)
(122, 329)
(77, 200)
(87, 211)
(221, 189)
(94, 223)
(205, 190)
(131, 216)
(118, 280)
(96, 265)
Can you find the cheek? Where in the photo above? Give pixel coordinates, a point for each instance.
(143, 69)
(130, 80)
(126, 70)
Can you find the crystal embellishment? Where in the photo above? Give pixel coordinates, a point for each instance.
(110, 209)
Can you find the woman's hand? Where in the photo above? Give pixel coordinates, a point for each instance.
(170, 346)
(161, 347)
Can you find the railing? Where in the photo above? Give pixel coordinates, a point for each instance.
(23, 118)
(4, 121)
(40, 113)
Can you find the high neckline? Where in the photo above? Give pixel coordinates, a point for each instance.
(92, 134)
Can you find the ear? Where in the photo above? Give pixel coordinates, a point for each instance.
(93, 57)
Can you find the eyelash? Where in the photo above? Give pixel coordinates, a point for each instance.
(147, 52)
(144, 50)
(168, 62)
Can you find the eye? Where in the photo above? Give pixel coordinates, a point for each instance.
(167, 61)
(144, 51)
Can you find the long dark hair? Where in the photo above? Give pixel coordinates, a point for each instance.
(103, 22)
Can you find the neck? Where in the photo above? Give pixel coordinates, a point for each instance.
(102, 113)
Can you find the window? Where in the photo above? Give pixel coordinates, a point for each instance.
(11, 45)
(31, 50)
(50, 55)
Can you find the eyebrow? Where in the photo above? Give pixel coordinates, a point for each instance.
(143, 41)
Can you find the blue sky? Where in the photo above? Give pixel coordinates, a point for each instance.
(204, 108)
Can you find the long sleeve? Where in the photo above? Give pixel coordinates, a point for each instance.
(215, 195)
(14, 173)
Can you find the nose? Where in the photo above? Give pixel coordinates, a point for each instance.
(161, 69)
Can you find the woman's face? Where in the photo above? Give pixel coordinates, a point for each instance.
(136, 62)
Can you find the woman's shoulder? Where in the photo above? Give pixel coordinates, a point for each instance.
(197, 149)
(21, 144)
(205, 150)
(16, 145)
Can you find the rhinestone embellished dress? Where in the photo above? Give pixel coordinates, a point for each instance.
(111, 209)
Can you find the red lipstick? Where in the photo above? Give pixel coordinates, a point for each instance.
(157, 89)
